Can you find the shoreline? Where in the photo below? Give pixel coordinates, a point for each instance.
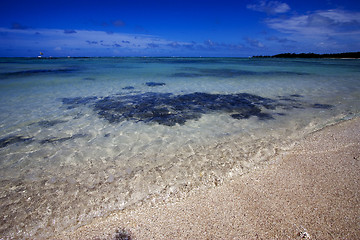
(312, 189)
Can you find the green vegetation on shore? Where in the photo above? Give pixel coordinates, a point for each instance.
(313, 55)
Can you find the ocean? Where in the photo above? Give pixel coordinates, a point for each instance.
(81, 138)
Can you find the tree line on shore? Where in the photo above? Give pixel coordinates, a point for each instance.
(313, 55)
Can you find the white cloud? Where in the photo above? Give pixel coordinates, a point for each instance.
(58, 39)
(325, 30)
(270, 7)
(327, 22)
(57, 42)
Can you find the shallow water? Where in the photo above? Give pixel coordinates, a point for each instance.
(80, 138)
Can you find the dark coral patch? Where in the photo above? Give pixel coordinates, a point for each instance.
(128, 88)
(322, 106)
(63, 139)
(226, 72)
(154, 84)
(27, 73)
(296, 95)
(77, 101)
(14, 139)
(89, 79)
(50, 123)
(168, 109)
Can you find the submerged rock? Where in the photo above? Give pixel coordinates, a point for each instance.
(322, 106)
(14, 139)
(76, 101)
(128, 88)
(296, 95)
(27, 73)
(154, 84)
(89, 79)
(168, 109)
(193, 72)
(50, 123)
(63, 139)
(185, 74)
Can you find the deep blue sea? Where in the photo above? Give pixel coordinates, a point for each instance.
(83, 137)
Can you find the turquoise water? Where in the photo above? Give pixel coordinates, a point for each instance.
(82, 137)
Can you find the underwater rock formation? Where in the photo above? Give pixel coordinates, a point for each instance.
(14, 139)
(154, 84)
(170, 109)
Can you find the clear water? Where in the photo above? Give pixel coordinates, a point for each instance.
(80, 138)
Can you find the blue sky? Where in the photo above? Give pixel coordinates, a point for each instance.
(177, 27)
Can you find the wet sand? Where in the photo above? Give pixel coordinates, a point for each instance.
(309, 192)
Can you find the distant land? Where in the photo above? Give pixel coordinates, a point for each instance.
(313, 55)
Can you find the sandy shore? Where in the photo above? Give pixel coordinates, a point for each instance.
(312, 189)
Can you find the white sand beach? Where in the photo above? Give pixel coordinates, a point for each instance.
(309, 192)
